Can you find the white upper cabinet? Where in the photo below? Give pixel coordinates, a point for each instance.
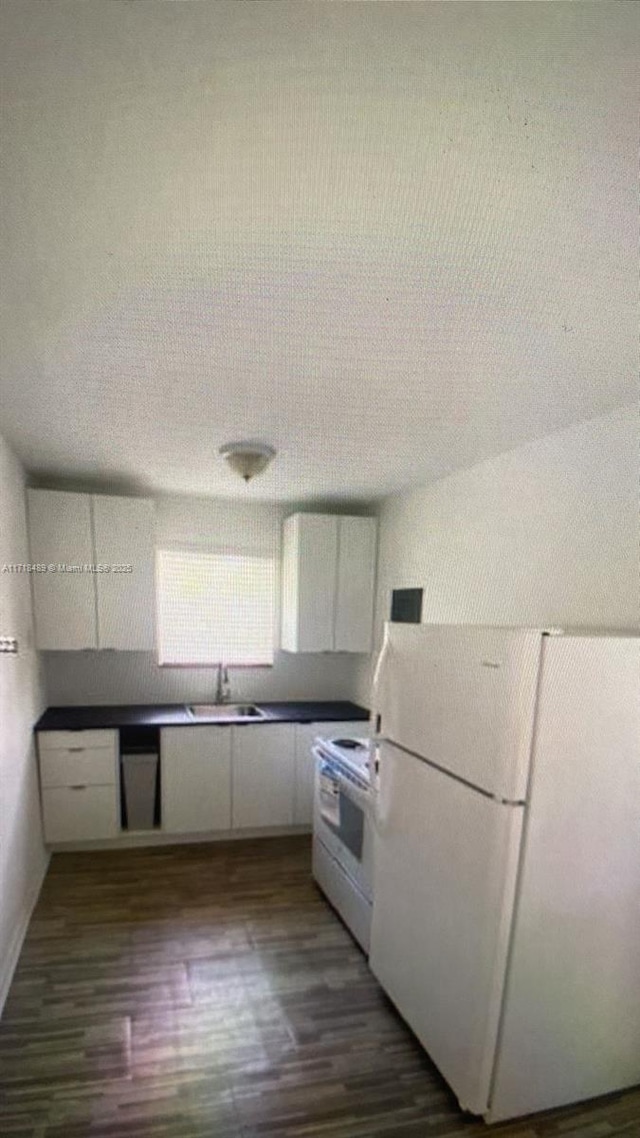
(355, 584)
(124, 537)
(310, 551)
(328, 576)
(76, 607)
(64, 600)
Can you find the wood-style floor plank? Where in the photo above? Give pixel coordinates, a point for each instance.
(210, 992)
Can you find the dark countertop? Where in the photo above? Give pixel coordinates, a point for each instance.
(175, 715)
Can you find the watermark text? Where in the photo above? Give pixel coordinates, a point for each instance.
(64, 567)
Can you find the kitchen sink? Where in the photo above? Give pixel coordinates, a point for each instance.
(224, 711)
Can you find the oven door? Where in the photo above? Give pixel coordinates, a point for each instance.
(341, 820)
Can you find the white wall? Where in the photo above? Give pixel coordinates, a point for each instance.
(23, 859)
(126, 677)
(545, 535)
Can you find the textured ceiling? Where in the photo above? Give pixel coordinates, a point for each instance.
(388, 238)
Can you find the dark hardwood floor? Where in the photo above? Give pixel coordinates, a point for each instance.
(210, 992)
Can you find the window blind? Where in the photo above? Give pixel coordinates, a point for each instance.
(214, 607)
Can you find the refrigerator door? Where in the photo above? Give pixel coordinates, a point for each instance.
(462, 697)
(445, 864)
(571, 1026)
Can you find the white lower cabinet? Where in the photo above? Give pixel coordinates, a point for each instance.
(79, 780)
(305, 761)
(263, 775)
(304, 774)
(80, 813)
(254, 776)
(195, 779)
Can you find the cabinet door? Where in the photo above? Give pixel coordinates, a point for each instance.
(309, 582)
(355, 584)
(304, 773)
(64, 601)
(195, 779)
(263, 769)
(80, 813)
(124, 536)
(305, 762)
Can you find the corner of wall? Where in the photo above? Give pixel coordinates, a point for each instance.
(23, 856)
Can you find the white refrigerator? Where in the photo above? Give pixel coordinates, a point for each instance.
(506, 915)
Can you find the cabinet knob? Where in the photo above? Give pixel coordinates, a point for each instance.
(80, 786)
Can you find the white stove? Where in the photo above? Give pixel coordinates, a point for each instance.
(342, 833)
(352, 753)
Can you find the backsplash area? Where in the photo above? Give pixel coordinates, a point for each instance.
(73, 678)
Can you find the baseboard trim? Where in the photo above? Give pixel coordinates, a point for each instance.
(8, 965)
(147, 838)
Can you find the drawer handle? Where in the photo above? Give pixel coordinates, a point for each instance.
(75, 750)
(80, 786)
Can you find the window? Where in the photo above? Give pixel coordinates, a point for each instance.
(213, 607)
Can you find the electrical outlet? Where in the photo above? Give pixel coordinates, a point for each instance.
(9, 645)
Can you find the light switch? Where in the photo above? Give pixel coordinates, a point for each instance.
(9, 645)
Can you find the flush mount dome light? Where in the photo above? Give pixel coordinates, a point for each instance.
(247, 459)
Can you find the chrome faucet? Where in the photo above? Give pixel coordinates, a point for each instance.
(222, 684)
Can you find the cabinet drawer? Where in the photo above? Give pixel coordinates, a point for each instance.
(73, 740)
(89, 767)
(78, 815)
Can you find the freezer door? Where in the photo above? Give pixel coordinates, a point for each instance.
(445, 862)
(463, 698)
(572, 1010)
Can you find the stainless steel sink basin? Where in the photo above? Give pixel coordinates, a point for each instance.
(224, 711)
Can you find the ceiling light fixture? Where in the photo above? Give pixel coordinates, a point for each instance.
(247, 459)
